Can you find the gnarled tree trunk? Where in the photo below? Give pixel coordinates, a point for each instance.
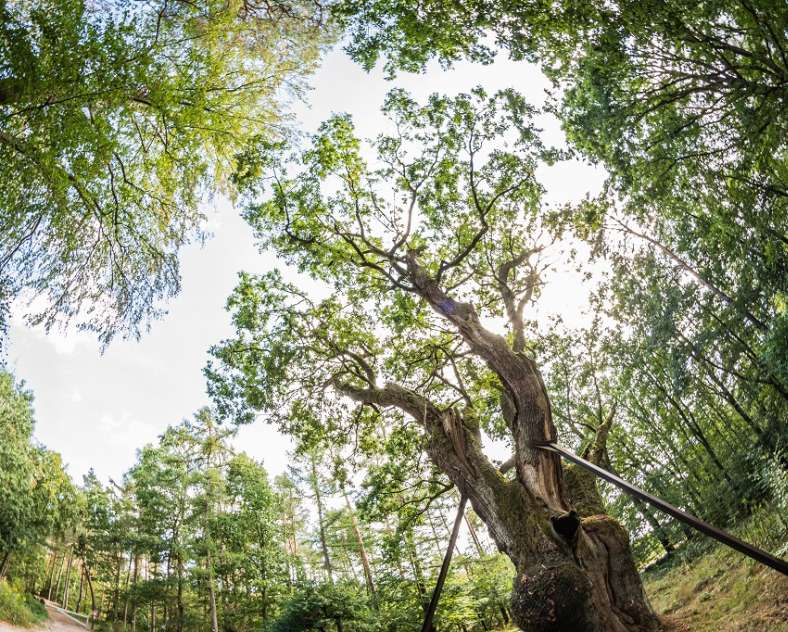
(574, 571)
(574, 567)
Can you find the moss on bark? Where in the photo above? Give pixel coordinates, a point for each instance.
(553, 599)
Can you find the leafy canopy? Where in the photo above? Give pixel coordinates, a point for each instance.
(450, 195)
(116, 121)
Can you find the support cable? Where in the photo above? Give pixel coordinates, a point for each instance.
(727, 539)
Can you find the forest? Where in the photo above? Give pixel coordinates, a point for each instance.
(401, 340)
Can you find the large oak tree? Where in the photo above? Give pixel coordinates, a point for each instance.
(426, 250)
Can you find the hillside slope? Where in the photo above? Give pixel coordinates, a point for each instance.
(721, 591)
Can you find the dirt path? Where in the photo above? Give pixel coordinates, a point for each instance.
(57, 622)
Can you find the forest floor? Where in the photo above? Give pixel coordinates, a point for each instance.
(719, 592)
(57, 622)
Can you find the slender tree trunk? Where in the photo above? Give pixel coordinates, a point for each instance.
(101, 609)
(728, 396)
(659, 532)
(81, 587)
(448, 531)
(51, 579)
(181, 613)
(93, 611)
(292, 539)
(418, 573)
(298, 568)
(288, 566)
(50, 572)
(152, 572)
(68, 580)
(315, 483)
(599, 455)
(132, 559)
(4, 564)
(212, 594)
(398, 553)
(436, 541)
(444, 570)
(362, 549)
(263, 593)
(474, 537)
(698, 277)
(345, 548)
(116, 590)
(57, 582)
(461, 558)
(695, 429)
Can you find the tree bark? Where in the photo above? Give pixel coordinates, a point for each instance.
(572, 573)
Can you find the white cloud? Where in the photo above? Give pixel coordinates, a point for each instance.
(125, 430)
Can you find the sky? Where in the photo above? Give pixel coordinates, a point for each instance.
(98, 409)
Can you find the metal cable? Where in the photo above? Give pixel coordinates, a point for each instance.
(733, 542)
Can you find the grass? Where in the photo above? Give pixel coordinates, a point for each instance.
(18, 609)
(714, 589)
(706, 587)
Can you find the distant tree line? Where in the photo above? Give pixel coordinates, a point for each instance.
(197, 537)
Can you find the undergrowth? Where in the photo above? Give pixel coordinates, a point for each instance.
(19, 609)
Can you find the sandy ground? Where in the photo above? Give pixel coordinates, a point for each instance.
(57, 622)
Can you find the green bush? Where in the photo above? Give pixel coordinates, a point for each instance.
(18, 609)
(36, 607)
(321, 606)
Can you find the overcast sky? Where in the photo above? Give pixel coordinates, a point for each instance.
(97, 410)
